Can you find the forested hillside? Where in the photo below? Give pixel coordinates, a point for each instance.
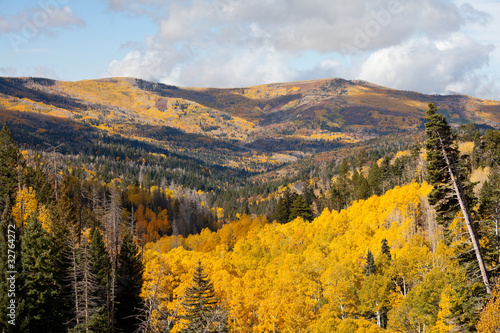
(108, 227)
(255, 129)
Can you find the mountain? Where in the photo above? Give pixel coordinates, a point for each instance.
(254, 128)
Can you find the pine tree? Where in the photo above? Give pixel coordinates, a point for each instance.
(341, 190)
(370, 264)
(41, 308)
(375, 179)
(308, 192)
(63, 219)
(384, 262)
(489, 209)
(9, 166)
(281, 211)
(386, 250)
(344, 168)
(202, 313)
(129, 285)
(100, 267)
(10, 261)
(283, 206)
(452, 192)
(300, 208)
(361, 186)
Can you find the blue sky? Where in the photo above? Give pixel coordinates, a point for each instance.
(430, 46)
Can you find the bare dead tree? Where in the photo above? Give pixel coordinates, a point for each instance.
(459, 191)
(83, 282)
(54, 165)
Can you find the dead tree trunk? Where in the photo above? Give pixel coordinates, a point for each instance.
(457, 186)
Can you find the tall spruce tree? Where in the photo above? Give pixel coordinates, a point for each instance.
(202, 313)
(370, 264)
(452, 192)
(375, 179)
(283, 206)
(308, 191)
(100, 267)
(341, 190)
(41, 308)
(385, 249)
(361, 186)
(64, 217)
(10, 261)
(9, 164)
(489, 209)
(129, 281)
(300, 208)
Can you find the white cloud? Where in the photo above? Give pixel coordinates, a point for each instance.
(41, 19)
(223, 67)
(153, 62)
(248, 66)
(428, 66)
(405, 44)
(322, 25)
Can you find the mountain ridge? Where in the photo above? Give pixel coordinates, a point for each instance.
(267, 124)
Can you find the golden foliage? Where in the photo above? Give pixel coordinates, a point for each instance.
(308, 276)
(26, 205)
(489, 321)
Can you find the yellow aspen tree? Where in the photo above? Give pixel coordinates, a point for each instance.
(442, 323)
(26, 205)
(489, 320)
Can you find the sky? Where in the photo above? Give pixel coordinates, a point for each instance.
(428, 46)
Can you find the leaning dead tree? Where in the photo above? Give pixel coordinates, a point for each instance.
(449, 192)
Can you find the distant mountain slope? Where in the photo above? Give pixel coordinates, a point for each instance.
(272, 123)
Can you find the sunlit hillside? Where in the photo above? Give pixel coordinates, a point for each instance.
(312, 277)
(255, 128)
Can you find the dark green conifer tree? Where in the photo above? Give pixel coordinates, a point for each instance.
(452, 191)
(344, 168)
(440, 138)
(41, 307)
(361, 186)
(202, 313)
(308, 192)
(129, 284)
(281, 212)
(283, 206)
(341, 190)
(386, 250)
(489, 209)
(386, 173)
(63, 218)
(300, 208)
(10, 261)
(9, 171)
(100, 266)
(375, 179)
(370, 264)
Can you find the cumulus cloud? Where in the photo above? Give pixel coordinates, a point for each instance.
(41, 19)
(427, 66)
(228, 43)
